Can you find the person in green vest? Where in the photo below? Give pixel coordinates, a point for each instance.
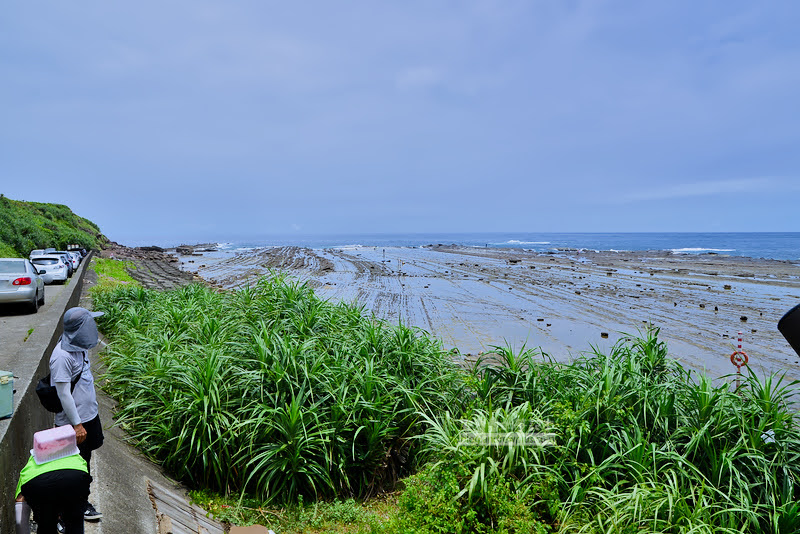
(54, 484)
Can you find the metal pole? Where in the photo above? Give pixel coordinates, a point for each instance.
(739, 367)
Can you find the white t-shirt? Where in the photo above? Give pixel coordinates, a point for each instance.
(65, 367)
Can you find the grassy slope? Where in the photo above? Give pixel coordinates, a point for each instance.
(25, 226)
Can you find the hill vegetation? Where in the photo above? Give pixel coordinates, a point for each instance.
(25, 226)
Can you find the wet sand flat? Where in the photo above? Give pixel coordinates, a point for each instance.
(565, 302)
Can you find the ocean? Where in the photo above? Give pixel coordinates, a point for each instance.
(770, 245)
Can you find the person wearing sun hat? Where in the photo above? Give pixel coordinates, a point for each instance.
(69, 362)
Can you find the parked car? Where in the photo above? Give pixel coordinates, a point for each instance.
(71, 258)
(20, 282)
(36, 252)
(52, 268)
(77, 248)
(66, 259)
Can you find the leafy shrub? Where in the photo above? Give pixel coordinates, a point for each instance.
(270, 389)
(640, 442)
(434, 502)
(273, 392)
(25, 226)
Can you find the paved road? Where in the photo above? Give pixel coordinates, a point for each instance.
(16, 323)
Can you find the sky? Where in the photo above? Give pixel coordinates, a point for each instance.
(193, 121)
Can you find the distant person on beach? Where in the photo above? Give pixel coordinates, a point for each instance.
(54, 484)
(69, 362)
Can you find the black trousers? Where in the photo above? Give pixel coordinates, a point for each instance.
(61, 493)
(94, 439)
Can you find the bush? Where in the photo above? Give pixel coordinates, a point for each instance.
(434, 502)
(271, 390)
(25, 226)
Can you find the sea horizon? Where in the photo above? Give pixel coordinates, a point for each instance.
(767, 245)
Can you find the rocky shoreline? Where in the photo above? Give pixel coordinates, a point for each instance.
(564, 301)
(153, 267)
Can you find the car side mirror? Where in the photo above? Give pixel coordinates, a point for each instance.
(41, 271)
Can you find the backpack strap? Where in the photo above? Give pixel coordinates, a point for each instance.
(75, 382)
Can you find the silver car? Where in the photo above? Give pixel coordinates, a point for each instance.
(20, 282)
(51, 268)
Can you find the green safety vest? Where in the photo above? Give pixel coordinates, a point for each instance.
(33, 470)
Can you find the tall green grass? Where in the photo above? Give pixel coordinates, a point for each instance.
(272, 392)
(634, 443)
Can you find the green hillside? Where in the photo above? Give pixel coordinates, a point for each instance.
(28, 225)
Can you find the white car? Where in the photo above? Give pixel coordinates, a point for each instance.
(72, 258)
(51, 268)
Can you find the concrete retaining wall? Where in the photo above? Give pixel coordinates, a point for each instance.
(31, 362)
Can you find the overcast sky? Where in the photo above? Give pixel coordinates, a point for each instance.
(191, 120)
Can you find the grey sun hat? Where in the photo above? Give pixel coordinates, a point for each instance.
(80, 330)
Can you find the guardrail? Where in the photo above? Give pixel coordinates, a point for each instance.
(31, 361)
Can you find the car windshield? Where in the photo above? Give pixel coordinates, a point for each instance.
(11, 267)
(44, 261)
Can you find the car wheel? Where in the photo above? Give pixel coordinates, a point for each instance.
(35, 303)
(41, 300)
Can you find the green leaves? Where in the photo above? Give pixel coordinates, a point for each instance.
(638, 442)
(25, 226)
(271, 390)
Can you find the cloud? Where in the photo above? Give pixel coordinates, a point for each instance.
(712, 188)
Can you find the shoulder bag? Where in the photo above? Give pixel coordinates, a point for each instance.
(48, 395)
